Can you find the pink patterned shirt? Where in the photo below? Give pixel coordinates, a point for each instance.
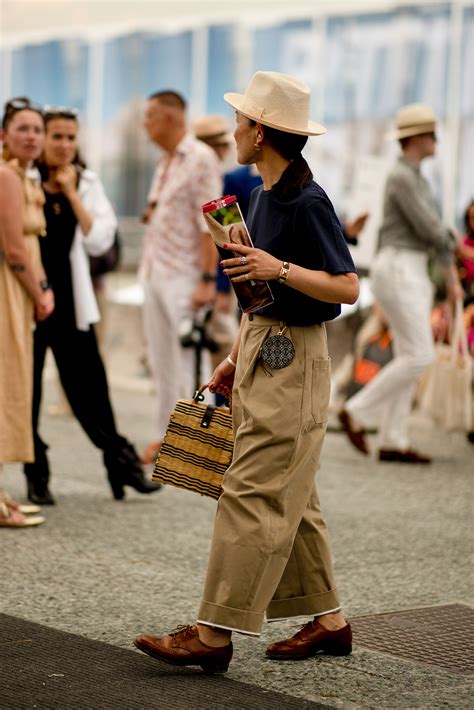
(173, 238)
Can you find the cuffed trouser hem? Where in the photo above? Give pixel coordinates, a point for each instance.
(313, 605)
(304, 616)
(226, 628)
(243, 622)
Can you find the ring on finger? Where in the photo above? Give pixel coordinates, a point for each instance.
(243, 261)
(247, 276)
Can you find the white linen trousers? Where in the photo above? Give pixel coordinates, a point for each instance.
(168, 302)
(402, 287)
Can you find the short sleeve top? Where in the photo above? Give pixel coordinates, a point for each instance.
(303, 230)
(183, 182)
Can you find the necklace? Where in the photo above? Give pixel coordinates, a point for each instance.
(55, 203)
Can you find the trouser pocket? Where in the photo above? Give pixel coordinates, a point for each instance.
(317, 392)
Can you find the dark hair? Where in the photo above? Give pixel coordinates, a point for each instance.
(51, 115)
(53, 112)
(17, 104)
(169, 98)
(469, 231)
(297, 175)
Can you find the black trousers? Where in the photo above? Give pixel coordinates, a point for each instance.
(84, 380)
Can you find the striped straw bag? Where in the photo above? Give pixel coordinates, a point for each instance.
(197, 447)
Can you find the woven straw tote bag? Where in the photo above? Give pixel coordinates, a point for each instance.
(197, 447)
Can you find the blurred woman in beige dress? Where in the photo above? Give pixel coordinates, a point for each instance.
(25, 294)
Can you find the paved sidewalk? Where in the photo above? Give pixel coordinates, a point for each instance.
(106, 570)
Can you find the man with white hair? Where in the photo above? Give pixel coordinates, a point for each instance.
(411, 231)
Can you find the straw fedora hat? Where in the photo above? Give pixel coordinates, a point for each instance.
(212, 129)
(277, 100)
(414, 120)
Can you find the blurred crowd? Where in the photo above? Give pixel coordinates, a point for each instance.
(59, 236)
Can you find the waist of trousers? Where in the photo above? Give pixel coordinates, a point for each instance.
(254, 319)
(414, 257)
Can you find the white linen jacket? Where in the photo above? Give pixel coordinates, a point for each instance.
(96, 243)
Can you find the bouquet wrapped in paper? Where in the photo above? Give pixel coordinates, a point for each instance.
(227, 226)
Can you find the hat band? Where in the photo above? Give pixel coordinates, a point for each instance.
(258, 113)
(253, 108)
(419, 127)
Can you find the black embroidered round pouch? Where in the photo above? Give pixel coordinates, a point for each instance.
(277, 352)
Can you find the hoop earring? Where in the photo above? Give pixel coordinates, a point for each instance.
(256, 146)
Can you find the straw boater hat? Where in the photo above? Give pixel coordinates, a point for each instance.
(277, 100)
(212, 129)
(414, 120)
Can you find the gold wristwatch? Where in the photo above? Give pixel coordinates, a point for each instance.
(284, 271)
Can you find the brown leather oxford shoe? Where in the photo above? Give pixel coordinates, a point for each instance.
(311, 639)
(356, 437)
(183, 647)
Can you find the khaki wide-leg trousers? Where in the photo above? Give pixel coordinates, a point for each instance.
(270, 552)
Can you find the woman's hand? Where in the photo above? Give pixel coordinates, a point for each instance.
(45, 305)
(222, 380)
(66, 178)
(252, 264)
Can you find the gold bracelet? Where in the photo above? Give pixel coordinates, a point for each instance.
(284, 271)
(231, 362)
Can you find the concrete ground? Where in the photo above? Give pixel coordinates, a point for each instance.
(401, 537)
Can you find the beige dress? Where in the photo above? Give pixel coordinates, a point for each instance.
(16, 334)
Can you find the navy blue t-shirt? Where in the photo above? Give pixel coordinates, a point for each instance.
(303, 230)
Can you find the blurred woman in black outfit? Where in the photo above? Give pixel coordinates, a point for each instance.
(80, 222)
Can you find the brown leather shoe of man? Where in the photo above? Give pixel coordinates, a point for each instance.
(356, 437)
(408, 456)
(311, 639)
(182, 647)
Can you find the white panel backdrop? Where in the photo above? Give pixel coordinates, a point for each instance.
(361, 67)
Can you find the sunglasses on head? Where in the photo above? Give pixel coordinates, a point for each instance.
(60, 112)
(21, 104)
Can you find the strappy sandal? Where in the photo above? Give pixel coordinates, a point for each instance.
(12, 518)
(28, 509)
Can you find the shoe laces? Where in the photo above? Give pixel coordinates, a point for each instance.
(308, 627)
(182, 632)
